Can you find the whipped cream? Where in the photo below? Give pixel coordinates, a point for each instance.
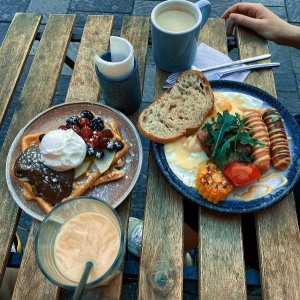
(62, 150)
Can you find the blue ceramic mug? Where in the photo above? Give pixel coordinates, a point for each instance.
(175, 30)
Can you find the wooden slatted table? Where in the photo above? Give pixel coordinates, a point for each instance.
(221, 260)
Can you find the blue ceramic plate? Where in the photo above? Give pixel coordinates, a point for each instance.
(231, 204)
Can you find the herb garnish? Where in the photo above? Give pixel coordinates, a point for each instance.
(227, 131)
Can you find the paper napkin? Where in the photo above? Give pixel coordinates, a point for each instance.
(207, 57)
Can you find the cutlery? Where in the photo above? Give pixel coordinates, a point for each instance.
(172, 78)
(219, 74)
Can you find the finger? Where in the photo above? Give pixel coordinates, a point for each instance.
(245, 21)
(230, 27)
(249, 9)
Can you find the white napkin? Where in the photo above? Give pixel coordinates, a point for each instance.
(122, 59)
(208, 57)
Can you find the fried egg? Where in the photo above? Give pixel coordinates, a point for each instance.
(185, 156)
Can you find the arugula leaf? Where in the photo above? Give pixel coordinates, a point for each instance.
(227, 131)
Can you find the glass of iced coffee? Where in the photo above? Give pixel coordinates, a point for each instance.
(75, 232)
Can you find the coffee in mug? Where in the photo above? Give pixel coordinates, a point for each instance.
(175, 20)
(175, 30)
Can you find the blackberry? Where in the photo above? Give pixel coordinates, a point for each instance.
(110, 146)
(99, 154)
(87, 114)
(90, 151)
(119, 145)
(97, 124)
(41, 137)
(73, 120)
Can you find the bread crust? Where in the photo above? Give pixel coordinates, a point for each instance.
(180, 110)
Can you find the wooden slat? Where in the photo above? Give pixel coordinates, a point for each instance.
(161, 263)
(31, 282)
(37, 95)
(221, 264)
(84, 84)
(277, 227)
(136, 31)
(13, 54)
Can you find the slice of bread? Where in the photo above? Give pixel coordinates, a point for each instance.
(180, 110)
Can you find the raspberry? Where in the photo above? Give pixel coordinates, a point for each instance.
(75, 128)
(103, 142)
(86, 132)
(97, 134)
(83, 122)
(63, 127)
(107, 133)
(92, 142)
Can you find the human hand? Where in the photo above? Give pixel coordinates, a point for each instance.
(258, 18)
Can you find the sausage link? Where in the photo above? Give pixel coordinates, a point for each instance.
(258, 130)
(279, 146)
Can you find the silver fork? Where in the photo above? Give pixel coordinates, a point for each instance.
(172, 78)
(219, 74)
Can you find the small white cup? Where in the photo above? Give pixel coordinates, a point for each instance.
(122, 59)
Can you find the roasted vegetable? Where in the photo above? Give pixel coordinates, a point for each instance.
(227, 132)
(212, 184)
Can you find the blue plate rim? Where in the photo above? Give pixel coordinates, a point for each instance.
(232, 206)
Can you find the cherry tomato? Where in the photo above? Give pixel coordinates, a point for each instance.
(241, 173)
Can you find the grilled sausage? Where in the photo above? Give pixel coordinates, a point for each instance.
(258, 130)
(279, 147)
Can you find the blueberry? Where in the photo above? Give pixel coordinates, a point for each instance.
(99, 154)
(90, 151)
(110, 146)
(97, 124)
(119, 145)
(87, 114)
(73, 120)
(41, 137)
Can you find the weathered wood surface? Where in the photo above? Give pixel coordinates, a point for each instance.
(12, 59)
(84, 84)
(161, 264)
(36, 96)
(221, 263)
(277, 227)
(136, 31)
(13, 54)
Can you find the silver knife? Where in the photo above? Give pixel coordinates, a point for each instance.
(219, 74)
(172, 78)
(233, 63)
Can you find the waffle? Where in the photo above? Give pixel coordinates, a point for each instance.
(90, 178)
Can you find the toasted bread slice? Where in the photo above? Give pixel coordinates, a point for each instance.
(180, 110)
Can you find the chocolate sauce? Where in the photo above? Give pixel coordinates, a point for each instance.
(49, 184)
